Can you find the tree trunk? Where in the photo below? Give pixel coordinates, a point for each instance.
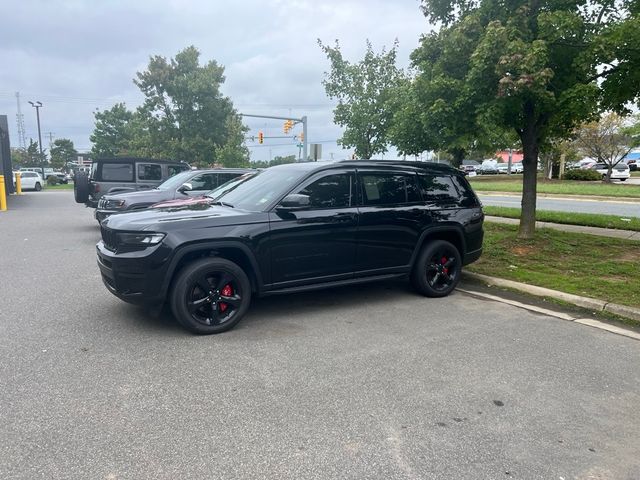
(529, 139)
(458, 156)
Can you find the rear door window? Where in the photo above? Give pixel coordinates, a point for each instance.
(438, 190)
(149, 172)
(175, 169)
(467, 197)
(388, 188)
(116, 172)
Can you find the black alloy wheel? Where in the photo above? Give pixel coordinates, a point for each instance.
(437, 270)
(210, 295)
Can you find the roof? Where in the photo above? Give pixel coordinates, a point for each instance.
(426, 166)
(135, 159)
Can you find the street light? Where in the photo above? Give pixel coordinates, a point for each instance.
(37, 106)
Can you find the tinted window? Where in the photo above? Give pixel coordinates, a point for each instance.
(330, 191)
(438, 189)
(467, 198)
(117, 172)
(149, 171)
(175, 169)
(262, 189)
(206, 181)
(388, 189)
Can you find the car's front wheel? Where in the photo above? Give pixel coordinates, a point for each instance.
(38, 186)
(210, 295)
(437, 270)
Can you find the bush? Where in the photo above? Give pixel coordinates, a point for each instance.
(52, 180)
(583, 175)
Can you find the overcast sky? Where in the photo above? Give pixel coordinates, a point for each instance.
(76, 56)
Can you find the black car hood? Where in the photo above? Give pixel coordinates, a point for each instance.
(183, 216)
(142, 196)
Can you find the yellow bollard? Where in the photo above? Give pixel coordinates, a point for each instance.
(3, 195)
(18, 183)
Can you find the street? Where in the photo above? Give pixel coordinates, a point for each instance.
(613, 207)
(367, 382)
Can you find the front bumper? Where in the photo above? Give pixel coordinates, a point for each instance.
(101, 214)
(134, 277)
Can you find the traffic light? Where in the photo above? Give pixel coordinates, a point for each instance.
(288, 125)
(302, 137)
(260, 137)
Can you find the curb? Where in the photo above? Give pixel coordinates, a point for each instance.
(560, 196)
(584, 302)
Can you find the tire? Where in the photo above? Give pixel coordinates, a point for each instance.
(38, 187)
(81, 187)
(204, 312)
(437, 271)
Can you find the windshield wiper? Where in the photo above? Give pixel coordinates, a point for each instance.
(224, 204)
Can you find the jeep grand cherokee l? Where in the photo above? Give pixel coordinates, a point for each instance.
(294, 228)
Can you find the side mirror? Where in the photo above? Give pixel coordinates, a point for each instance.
(185, 187)
(294, 201)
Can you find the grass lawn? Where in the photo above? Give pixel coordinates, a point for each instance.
(61, 186)
(570, 218)
(636, 173)
(563, 187)
(586, 265)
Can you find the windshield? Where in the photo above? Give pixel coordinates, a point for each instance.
(257, 192)
(230, 185)
(175, 181)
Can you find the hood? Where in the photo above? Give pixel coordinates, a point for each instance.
(142, 196)
(179, 217)
(180, 202)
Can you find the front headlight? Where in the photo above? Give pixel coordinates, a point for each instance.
(139, 239)
(114, 204)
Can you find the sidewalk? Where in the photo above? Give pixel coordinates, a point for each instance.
(601, 232)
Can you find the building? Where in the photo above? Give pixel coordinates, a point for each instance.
(503, 156)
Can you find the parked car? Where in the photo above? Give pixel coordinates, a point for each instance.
(190, 183)
(619, 172)
(488, 167)
(293, 228)
(117, 175)
(30, 180)
(208, 197)
(632, 163)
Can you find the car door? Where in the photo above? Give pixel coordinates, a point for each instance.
(392, 217)
(316, 242)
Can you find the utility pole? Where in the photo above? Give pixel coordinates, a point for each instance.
(22, 141)
(37, 105)
(50, 134)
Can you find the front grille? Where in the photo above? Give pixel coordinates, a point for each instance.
(109, 238)
(101, 203)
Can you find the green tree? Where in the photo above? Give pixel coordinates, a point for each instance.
(113, 134)
(19, 157)
(234, 152)
(608, 140)
(62, 153)
(363, 91)
(33, 156)
(524, 66)
(184, 113)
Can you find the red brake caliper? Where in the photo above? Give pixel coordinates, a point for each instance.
(226, 291)
(443, 261)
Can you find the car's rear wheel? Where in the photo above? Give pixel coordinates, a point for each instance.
(81, 187)
(210, 295)
(437, 270)
(38, 186)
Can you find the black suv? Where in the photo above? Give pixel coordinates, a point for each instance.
(293, 228)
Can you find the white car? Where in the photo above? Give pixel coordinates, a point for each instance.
(30, 181)
(620, 171)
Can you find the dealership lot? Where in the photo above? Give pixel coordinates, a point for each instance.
(366, 382)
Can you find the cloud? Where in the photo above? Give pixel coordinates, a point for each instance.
(76, 56)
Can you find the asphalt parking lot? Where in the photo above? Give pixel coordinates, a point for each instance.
(372, 382)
